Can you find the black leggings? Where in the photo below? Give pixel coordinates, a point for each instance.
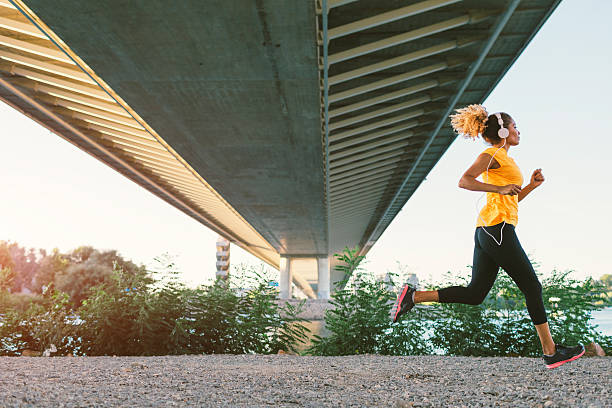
(488, 257)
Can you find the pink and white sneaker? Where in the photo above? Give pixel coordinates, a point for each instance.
(404, 302)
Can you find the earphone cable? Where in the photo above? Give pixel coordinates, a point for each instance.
(480, 198)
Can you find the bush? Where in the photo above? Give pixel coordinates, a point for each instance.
(47, 321)
(359, 320)
(500, 326)
(155, 314)
(85, 268)
(570, 303)
(119, 318)
(222, 321)
(135, 314)
(18, 301)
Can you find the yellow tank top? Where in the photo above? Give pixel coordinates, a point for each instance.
(500, 208)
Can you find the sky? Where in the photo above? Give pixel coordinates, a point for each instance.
(55, 195)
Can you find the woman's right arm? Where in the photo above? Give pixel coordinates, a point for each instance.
(469, 182)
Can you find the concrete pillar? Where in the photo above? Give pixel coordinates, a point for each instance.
(324, 281)
(284, 281)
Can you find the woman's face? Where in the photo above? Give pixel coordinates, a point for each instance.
(514, 135)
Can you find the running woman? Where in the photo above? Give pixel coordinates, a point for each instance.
(495, 242)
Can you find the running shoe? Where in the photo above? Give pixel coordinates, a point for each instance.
(404, 302)
(563, 355)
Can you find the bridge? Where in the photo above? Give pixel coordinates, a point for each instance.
(293, 128)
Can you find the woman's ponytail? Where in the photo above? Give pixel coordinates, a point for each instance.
(470, 121)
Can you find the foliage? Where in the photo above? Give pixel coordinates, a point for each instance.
(229, 318)
(144, 314)
(359, 320)
(18, 301)
(25, 265)
(5, 256)
(87, 268)
(17, 330)
(43, 323)
(85, 309)
(500, 326)
(7, 276)
(74, 272)
(606, 279)
(50, 265)
(570, 303)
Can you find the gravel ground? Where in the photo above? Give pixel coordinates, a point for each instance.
(292, 381)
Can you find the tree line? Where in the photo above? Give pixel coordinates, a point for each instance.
(30, 271)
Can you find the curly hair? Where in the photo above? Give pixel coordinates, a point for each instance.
(474, 120)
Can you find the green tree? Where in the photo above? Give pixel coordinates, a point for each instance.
(50, 265)
(26, 267)
(606, 279)
(7, 276)
(87, 267)
(40, 325)
(5, 256)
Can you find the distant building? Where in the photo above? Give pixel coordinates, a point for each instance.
(223, 258)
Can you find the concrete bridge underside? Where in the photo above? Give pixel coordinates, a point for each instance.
(292, 128)
(233, 89)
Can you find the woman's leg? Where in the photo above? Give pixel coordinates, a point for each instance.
(421, 296)
(514, 261)
(548, 345)
(484, 272)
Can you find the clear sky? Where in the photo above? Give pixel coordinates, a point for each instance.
(558, 92)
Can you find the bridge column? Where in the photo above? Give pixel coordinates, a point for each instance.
(284, 281)
(323, 278)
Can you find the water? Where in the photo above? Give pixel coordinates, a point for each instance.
(603, 318)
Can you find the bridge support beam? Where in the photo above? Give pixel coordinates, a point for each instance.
(310, 274)
(323, 278)
(285, 278)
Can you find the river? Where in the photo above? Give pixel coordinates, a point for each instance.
(603, 318)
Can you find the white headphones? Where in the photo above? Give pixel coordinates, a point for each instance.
(502, 132)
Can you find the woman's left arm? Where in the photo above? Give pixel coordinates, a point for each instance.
(537, 178)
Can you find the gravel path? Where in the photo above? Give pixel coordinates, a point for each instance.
(293, 381)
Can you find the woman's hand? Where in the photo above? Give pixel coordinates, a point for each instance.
(510, 189)
(537, 177)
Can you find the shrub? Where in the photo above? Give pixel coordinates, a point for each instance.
(156, 314)
(359, 321)
(85, 268)
(119, 318)
(46, 322)
(18, 301)
(135, 314)
(243, 316)
(501, 325)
